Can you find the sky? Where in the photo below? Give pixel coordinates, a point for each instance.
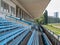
(53, 6)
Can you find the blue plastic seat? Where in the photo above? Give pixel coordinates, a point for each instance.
(46, 40)
(13, 32)
(19, 38)
(5, 29)
(8, 37)
(5, 33)
(1, 27)
(9, 26)
(34, 40)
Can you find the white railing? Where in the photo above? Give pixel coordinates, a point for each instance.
(55, 35)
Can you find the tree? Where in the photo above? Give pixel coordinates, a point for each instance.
(40, 20)
(37, 21)
(45, 17)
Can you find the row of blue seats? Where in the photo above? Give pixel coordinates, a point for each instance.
(19, 38)
(6, 22)
(13, 34)
(34, 40)
(3, 28)
(1, 19)
(11, 31)
(46, 40)
(30, 23)
(6, 38)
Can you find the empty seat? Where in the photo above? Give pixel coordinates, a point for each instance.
(46, 40)
(6, 38)
(1, 27)
(6, 29)
(19, 38)
(1, 19)
(34, 40)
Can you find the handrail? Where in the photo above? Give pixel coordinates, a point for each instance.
(55, 35)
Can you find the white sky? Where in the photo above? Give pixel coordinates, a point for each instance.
(53, 6)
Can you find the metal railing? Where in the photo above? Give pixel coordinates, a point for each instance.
(55, 35)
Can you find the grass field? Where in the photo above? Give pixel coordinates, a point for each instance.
(53, 29)
(56, 24)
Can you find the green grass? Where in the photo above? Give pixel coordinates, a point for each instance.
(53, 29)
(56, 24)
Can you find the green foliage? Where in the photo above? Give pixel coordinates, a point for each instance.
(37, 21)
(45, 17)
(40, 20)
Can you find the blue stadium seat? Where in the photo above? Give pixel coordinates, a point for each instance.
(9, 26)
(19, 38)
(4, 39)
(34, 39)
(46, 40)
(7, 32)
(3, 27)
(6, 29)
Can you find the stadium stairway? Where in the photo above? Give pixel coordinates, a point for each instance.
(18, 34)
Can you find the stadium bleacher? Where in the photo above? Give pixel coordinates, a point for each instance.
(14, 34)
